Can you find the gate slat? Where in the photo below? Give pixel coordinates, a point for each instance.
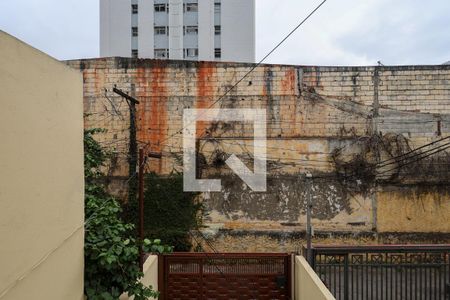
(225, 276)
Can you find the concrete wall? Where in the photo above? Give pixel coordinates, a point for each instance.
(414, 210)
(150, 274)
(206, 32)
(115, 28)
(238, 31)
(176, 29)
(146, 29)
(41, 177)
(318, 120)
(308, 285)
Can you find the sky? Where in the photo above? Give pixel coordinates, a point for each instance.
(341, 32)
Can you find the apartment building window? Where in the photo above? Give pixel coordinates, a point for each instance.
(161, 53)
(134, 9)
(217, 53)
(217, 7)
(134, 53)
(134, 31)
(191, 7)
(161, 30)
(191, 30)
(191, 52)
(217, 30)
(160, 7)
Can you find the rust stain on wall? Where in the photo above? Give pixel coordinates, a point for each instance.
(288, 111)
(288, 83)
(152, 111)
(205, 91)
(304, 131)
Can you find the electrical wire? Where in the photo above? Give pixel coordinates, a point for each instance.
(395, 159)
(258, 64)
(412, 151)
(416, 160)
(380, 118)
(415, 155)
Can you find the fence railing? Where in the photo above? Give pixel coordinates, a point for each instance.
(384, 272)
(225, 276)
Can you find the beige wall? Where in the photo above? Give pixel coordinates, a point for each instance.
(308, 285)
(150, 274)
(41, 175)
(414, 210)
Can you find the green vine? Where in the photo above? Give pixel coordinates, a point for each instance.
(170, 213)
(111, 251)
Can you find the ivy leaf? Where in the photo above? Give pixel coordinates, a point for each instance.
(111, 252)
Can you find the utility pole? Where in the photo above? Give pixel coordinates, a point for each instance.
(308, 180)
(132, 160)
(141, 207)
(374, 132)
(133, 147)
(141, 200)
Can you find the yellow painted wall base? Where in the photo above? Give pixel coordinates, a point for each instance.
(412, 210)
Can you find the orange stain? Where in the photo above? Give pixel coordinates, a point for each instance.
(152, 111)
(205, 91)
(289, 107)
(288, 82)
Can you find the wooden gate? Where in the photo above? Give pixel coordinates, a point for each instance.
(215, 276)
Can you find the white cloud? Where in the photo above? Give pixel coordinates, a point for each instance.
(353, 32)
(64, 29)
(342, 32)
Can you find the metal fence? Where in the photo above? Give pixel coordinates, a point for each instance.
(225, 276)
(385, 272)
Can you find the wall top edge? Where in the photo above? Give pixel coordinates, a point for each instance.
(132, 63)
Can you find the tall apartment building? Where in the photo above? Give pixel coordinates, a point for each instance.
(208, 30)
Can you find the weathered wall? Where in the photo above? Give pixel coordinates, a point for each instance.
(41, 177)
(336, 122)
(414, 210)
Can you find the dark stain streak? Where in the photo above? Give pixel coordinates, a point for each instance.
(285, 200)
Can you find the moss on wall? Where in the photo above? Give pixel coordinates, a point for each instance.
(170, 214)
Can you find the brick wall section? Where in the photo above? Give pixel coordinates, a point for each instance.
(311, 111)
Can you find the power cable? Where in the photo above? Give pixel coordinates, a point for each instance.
(412, 156)
(117, 112)
(414, 150)
(256, 65)
(324, 161)
(433, 152)
(420, 158)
